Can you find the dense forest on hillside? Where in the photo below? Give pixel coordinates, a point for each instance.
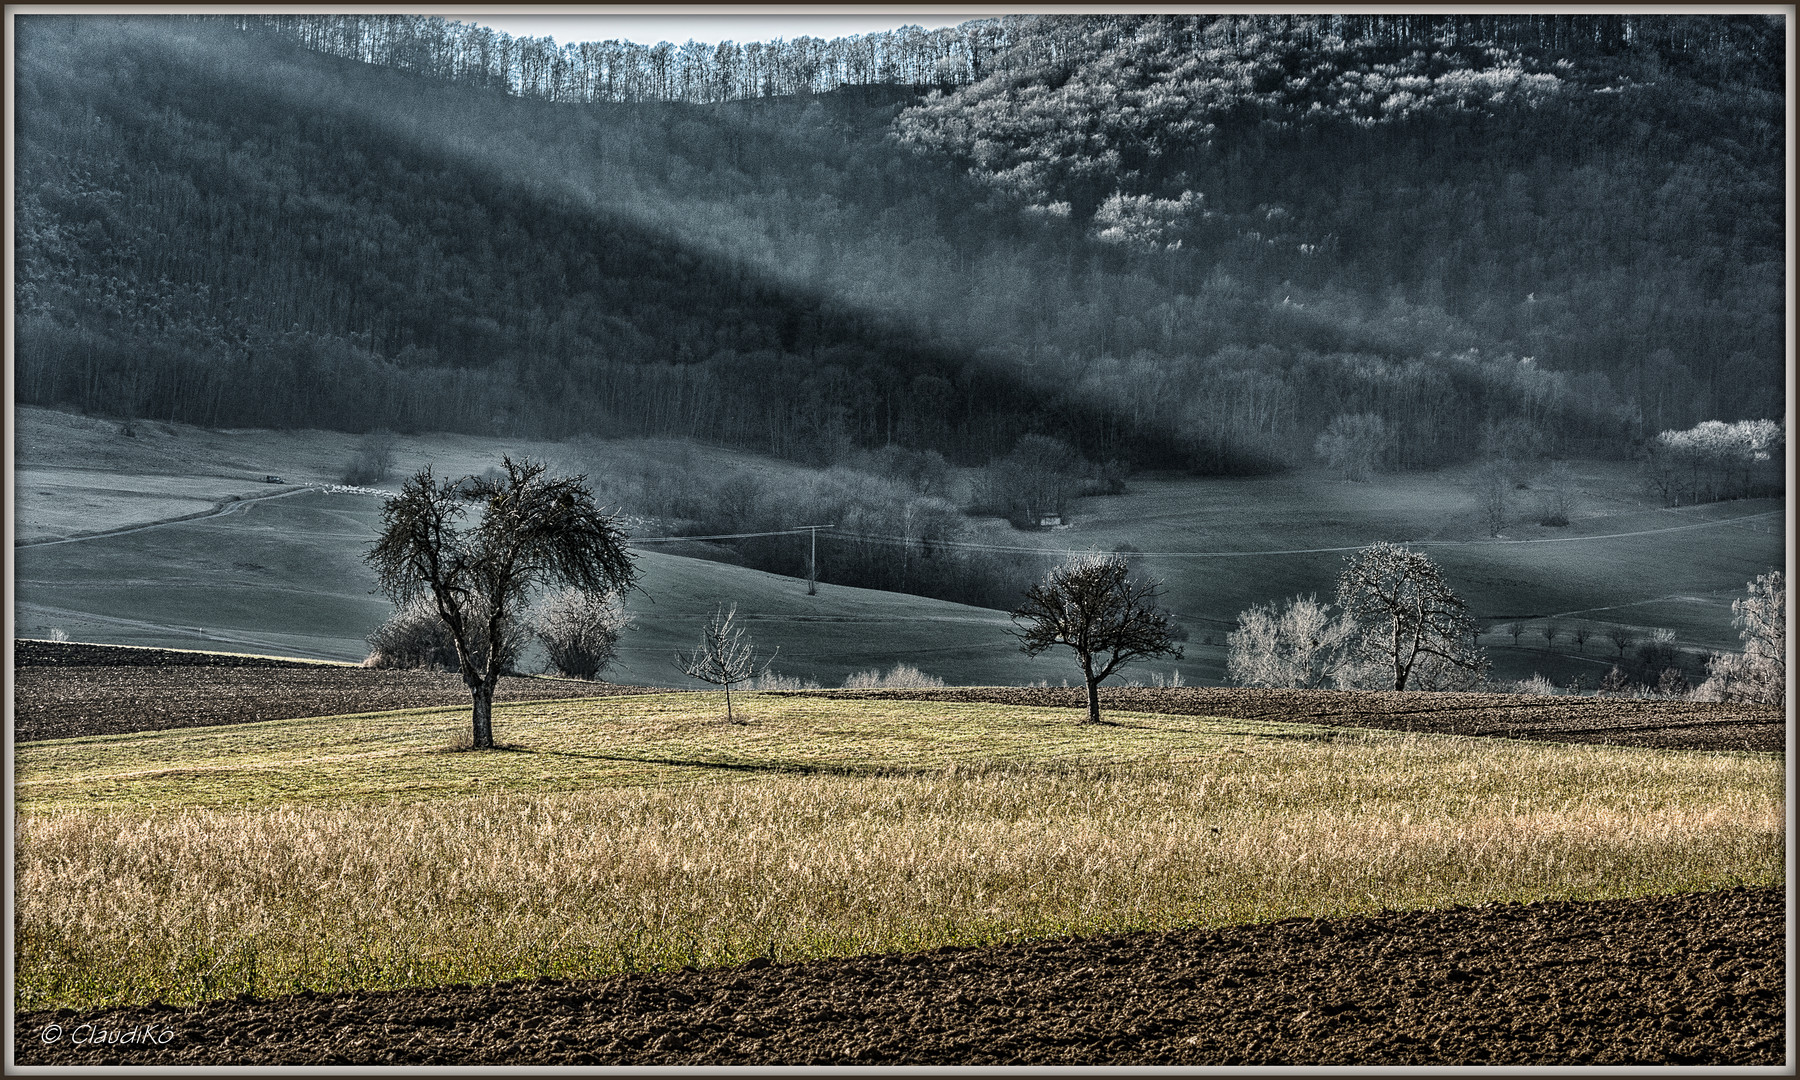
(1172, 241)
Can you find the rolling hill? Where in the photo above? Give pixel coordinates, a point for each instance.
(283, 573)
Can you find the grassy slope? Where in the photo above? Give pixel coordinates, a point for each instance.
(285, 576)
(646, 832)
(1683, 579)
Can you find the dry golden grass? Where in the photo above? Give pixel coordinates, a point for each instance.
(181, 905)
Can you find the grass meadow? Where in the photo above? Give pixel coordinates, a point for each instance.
(646, 833)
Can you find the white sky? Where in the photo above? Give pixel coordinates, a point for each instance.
(571, 25)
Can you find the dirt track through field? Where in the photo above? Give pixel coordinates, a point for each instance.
(1687, 980)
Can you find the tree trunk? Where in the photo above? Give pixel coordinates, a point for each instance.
(484, 715)
(1093, 694)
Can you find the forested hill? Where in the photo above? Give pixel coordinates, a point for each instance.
(1180, 241)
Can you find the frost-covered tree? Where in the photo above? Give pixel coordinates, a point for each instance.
(413, 637)
(901, 677)
(580, 630)
(1711, 460)
(1297, 645)
(1759, 673)
(1145, 222)
(1407, 627)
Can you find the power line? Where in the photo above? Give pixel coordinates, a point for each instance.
(968, 546)
(964, 545)
(726, 536)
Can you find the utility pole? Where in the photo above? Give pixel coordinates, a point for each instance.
(812, 562)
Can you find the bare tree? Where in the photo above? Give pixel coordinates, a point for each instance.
(580, 630)
(533, 530)
(1759, 673)
(1407, 625)
(1554, 497)
(1550, 631)
(373, 459)
(1516, 629)
(1580, 633)
(1092, 605)
(1299, 645)
(725, 657)
(1621, 639)
(1491, 483)
(1354, 444)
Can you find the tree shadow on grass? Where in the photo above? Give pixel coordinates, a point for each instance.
(789, 767)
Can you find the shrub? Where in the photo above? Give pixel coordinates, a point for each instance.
(413, 637)
(1538, 684)
(373, 460)
(1672, 683)
(579, 630)
(776, 681)
(902, 677)
(1615, 682)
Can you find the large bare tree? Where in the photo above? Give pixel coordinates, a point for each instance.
(1407, 623)
(532, 530)
(1092, 605)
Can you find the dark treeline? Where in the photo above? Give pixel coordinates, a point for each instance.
(1175, 241)
(698, 73)
(279, 262)
(625, 71)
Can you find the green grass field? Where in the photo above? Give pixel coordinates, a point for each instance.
(641, 833)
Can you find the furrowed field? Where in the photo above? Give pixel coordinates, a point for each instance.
(645, 833)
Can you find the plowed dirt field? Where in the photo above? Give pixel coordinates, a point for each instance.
(1674, 725)
(1686, 980)
(65, 690)
(62, 691)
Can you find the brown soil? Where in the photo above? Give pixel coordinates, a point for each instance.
(62, 691)
(1696, 979)
(1684, 725)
